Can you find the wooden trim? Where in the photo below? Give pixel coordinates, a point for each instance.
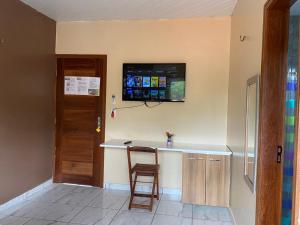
(271, 116)
(62, 56)
(59, 104)
(54, 128)
(296, 182)
(98, 169)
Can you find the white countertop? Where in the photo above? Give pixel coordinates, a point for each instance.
(176, 147)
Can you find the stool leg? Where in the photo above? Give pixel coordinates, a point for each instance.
(152, 194)
(130, 182)
(132, 191)
(157, 186)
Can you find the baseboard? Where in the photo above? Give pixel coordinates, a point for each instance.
(142, 188)
(25, 195)
(232, 216)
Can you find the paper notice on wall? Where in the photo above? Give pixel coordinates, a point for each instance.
(94, 86)
(82, 85)
(70, 86)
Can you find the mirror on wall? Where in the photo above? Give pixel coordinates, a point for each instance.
(251, 144)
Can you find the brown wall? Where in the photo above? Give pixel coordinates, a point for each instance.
(27, 78)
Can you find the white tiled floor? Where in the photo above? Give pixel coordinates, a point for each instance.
(74, 205)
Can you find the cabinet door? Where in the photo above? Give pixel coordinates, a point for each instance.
(217, 180)
(193, 178)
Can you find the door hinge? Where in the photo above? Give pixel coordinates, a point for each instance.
(279, 154)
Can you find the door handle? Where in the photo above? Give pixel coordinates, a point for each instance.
(215, 160)
(195, 159)
(279, 154)
(99, 122)
(98, 129)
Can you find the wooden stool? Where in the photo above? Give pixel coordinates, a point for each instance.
(144, 170)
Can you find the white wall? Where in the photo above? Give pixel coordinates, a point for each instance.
(245, 62)
(203, 44)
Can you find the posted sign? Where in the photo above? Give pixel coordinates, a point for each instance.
(82, 85)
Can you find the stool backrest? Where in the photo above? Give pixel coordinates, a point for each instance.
(140, 149)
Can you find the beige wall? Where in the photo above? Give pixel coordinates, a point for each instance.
(245, 62)
(27, 78)
(203, 44)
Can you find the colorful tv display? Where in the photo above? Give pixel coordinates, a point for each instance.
(159, 82)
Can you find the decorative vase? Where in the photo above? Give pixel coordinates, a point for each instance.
(169, 141)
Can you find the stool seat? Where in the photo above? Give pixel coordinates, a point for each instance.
(146, 168)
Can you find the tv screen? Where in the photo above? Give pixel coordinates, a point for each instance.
(163, 82)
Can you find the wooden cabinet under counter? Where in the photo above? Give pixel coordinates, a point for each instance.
(206, 179)
(193, 178)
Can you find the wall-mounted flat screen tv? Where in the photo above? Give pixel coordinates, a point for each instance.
(159, 82)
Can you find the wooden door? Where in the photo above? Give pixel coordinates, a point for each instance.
(271, 115)
(217, 180)
(193, 178)
(78, 157)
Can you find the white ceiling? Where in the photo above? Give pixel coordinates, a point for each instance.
(84, 10)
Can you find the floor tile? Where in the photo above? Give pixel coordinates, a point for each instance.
(92, 216)
(173, 208)
(168, 197)
(225, 215)
(43, 222)
(62, 213)
(32, 210)
(171, 220)
(108, 201)
(144, 201)
(211, 213)
(58, 223)
(12, 220)
(206, 222)
(199, 212)
(12, 209)
(78, 198)
(87, 189)
(49, 211)
(187, 210)
(64, 187)
(43, 190)
(132, 218)
(74, 205)
(116, 193)
(51, 195)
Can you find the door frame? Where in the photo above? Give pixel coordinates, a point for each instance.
(98, 155)
(272, 99)
(296, 183)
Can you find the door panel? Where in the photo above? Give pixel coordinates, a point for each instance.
(77, 168)
(78, 122)
(71, 149)
(78, 157)
(215, 180)
(193, 178)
